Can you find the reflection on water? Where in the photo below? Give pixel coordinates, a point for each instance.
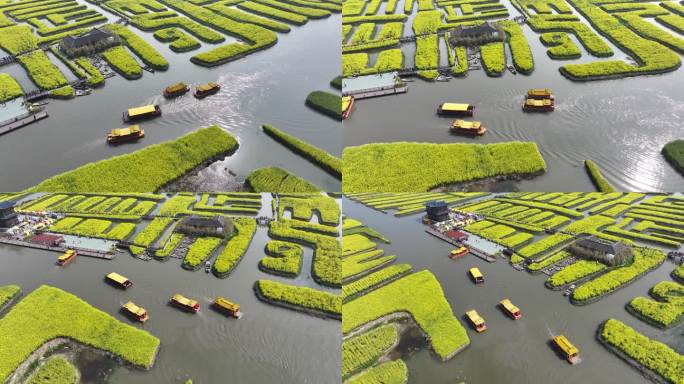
(620, 124)
(268, 87)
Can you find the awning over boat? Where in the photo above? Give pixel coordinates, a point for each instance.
(117, 278)
(565, 345)
(456, 107)
(141, 110)
(125, 131)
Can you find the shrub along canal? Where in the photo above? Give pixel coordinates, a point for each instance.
(621, 124)
(513, 351)
(268, 344)
(268, 87)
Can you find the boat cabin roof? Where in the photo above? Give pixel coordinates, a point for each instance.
(455, 107)
(184, 300)
(176, 87)
(118, 278)
(475, 317)
(460, 249)
(539, 92)
(509, 306)
(141, 110)
(207, 87)
(132, 307)
(66, 255)
(467, 124)
(125, 131)
(225, 303)
(565, 345)
(475, 272)
(538, 103)
(346, 100)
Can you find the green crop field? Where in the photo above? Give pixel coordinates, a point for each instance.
(147, 169)
(48, 313)
(396, 166)
(419, 294)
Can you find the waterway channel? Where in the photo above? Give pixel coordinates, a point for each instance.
(620, 124)
(267, 87)
(269, 344)
(513, 351)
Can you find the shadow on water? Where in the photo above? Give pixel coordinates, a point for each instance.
(411, 340)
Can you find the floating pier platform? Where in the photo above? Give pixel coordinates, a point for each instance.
(81, 252)
(21, 121)
(473, 250)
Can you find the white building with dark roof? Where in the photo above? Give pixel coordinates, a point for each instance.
(610, 253)
(95, 40)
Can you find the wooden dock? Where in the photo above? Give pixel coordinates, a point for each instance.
(475, 251)
(378, 92)
(81, 252)
(21, 121)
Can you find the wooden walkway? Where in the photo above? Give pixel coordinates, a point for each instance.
(22, 121)
(36, 95)
(81, 252)
(414, 71)
(474, 251)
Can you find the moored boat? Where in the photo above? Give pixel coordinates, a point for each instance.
(569, 351)
(226, 306)
(207, 89)
(538, 105)
(135, 312)
(143, 112)
(471, 128)
(67, 257)
(476, 275)
(118, 280)
(185, 303)
(347, 104)
(176, 90)
(459, 252)
(122, 135)
(455, 109)
(476, 320)
(539, 94)
(510, 309)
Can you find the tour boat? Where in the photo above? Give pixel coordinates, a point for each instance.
(121, 135)
(118, 280)
(67, 257)
(224, 305)
(476, 275)
(459, 252)
(139, 113)
(539, 94)
(471, 128)
(184, 303)
(176, 90)
(510, 309)
(207, 89)
(136, 312)
(347, 104)
(538, 105)
(458, 109)
(476, 320)
(569, 351)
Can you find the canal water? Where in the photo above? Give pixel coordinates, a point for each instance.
(268, 344)
(620, 124)
(513, 351)
(267, 87)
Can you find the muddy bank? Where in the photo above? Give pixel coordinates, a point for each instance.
(500, 183)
